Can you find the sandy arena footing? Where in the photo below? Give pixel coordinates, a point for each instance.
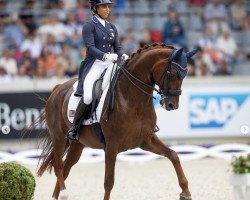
(154, 180)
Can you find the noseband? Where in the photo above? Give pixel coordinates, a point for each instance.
(167, 78)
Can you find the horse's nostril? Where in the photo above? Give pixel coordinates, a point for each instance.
(171, 106)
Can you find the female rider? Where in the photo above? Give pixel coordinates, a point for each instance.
(100, 37)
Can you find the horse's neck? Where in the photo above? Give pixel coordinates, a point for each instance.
(141, 69)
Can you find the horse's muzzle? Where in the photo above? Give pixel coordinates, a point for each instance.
(168, 104)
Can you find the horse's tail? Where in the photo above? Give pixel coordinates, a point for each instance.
(47, 158)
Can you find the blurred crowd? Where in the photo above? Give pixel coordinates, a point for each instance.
(42, 39)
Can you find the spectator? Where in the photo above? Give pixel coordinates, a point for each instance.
(61, 66)
(40, 70)
(80, 12)
(57, 29)
(44, 29)
(27, 63)
(228, 48)
(4, 77)
(130, 44)
(27, 15)
(215, 15)
(223, 69)
(191, 67)
(8, 63)
(173, 31)
(82, 56)
(208, 44)
(207, 41)
(52, 46)
(61, 12)
(197, 5)
(25, 72)
(69, 4)
(202, 70)
(14, 32)
(59, 73)
(50, 4)
(70, 59)
(145, 38)
(47, 62)
(204, 64)
(33, 45)
(239, 20)
(73, 32)
(54, 27)
(4, 14)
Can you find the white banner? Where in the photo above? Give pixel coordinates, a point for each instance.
(207, 110)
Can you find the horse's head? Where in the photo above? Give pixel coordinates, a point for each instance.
(171, 76)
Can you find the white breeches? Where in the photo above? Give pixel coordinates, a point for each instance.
(94, 73)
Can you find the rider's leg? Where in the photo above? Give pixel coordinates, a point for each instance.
(79, 116)
(94, 73)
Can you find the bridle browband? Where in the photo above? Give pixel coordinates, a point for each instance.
(165, 92)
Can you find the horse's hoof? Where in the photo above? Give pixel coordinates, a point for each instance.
(185, 198)
(64, 195)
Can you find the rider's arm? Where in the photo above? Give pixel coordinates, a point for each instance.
(88, 38)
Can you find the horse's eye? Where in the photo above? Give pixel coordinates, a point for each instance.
(173, 77)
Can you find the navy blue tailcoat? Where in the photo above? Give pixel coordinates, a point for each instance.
(98, 41)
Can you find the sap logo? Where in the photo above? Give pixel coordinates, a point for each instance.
(214, 111)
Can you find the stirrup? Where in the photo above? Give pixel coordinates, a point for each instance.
(72, 135)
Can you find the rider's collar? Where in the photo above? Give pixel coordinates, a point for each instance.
(97, 19)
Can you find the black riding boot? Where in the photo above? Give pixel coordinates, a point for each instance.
(78, 118)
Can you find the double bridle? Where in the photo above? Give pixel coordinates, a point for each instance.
(165, 92)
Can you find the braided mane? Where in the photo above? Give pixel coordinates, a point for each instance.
(148, 47)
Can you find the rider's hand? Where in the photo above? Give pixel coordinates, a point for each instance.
(111, 57)
(124, 57)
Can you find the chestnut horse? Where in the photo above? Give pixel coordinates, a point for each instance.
(132, 122)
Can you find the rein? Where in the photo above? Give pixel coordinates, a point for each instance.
(163, 92)
(129, 76)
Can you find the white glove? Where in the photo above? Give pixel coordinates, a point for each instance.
(111, 57)
(125, 57)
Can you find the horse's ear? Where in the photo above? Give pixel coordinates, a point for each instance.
(191, 53)
(176, 54)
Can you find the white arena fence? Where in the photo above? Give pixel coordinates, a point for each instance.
(185, 152)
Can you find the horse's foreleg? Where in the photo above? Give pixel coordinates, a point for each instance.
(73, 155)
(110, 159)
(156, 146)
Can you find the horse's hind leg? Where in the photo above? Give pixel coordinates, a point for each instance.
(72, 157)
(59, 148)
(156, 146)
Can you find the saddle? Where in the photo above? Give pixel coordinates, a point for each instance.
(97, 94)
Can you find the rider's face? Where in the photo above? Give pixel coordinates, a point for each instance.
(103, 10)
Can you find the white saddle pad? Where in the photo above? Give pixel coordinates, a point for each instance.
(73, 100)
